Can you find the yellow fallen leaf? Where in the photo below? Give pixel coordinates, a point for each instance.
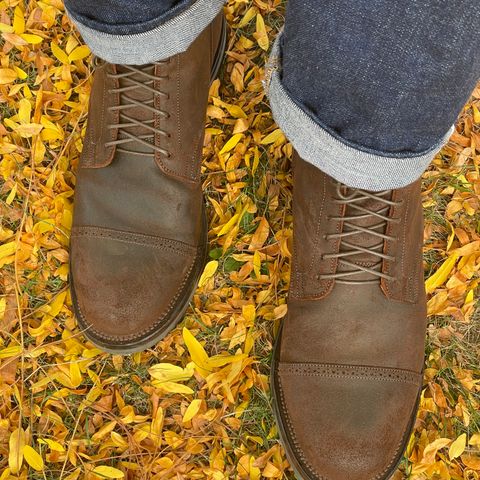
(431, 449)
(457, 447)
(229, 225)
(15, 452)
(249, 14)
(235, 111)
(7, 75)
(7, 249)
(475, 440)
(167, 372)
(248, 313)
(4, 28)
(257, 263)
(11, 195)
(53, 445)
(108, 472)
(273, 137)
(197, 352)
(261, 33)
(18, 20)
(32, 39)
(79, 53)
(172, 387)
(10, 351)
(208, 272)
(3, 307)
(59, 53)
(221, 360)
(261, 234)
(33, 458)
(192, 410)
(75, 374)
(24, 111)
(230, 145)
(476, 114)
(441, 275)
(28, 130)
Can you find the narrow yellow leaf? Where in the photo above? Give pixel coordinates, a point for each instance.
(475, 440)
(53, 445)
(192, 410)
(167, 372)
(24, 111)
(59, 53)
(7, 249)
(108, 472)
(441, 275)
(257, 263)
(273, 137)
(15, 452)
(18, 20)
(10, 351)
(197, 352)
(172, 387)
(3, 307)
(248, 313)
(261, 33)
(208, 272)
(28, 130)
(33, 458)
(22, 74)
(476, 114)
(75, 374)
(451, 237)
(249, 14)
(230, 145)
(79, 53)
(4, 28)
(229, 225)
(457, 447)
(32, 39)
(470, 296)
(235, 111)
(7, 75)
(11, 195)
(221, 360)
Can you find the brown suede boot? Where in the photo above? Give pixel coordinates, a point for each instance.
(139, 233)
(348, 362)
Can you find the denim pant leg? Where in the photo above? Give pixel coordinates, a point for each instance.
(368, 90)
(140, 31)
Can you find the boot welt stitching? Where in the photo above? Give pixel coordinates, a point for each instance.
(297, 448)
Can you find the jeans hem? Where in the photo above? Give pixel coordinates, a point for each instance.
(173, 36)
(353, 165)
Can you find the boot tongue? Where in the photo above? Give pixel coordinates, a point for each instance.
(138, 112)
(364, 240)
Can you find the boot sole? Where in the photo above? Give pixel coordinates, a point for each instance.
(298, 469)
(181, 307)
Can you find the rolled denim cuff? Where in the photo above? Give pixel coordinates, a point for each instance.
(169, 38)
(351, 164)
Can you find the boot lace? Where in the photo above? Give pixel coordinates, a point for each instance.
(375, 222)
(135, 79)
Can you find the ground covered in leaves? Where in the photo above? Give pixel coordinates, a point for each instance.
(198, 405)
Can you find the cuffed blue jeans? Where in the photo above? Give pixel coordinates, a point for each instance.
(366, 90)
